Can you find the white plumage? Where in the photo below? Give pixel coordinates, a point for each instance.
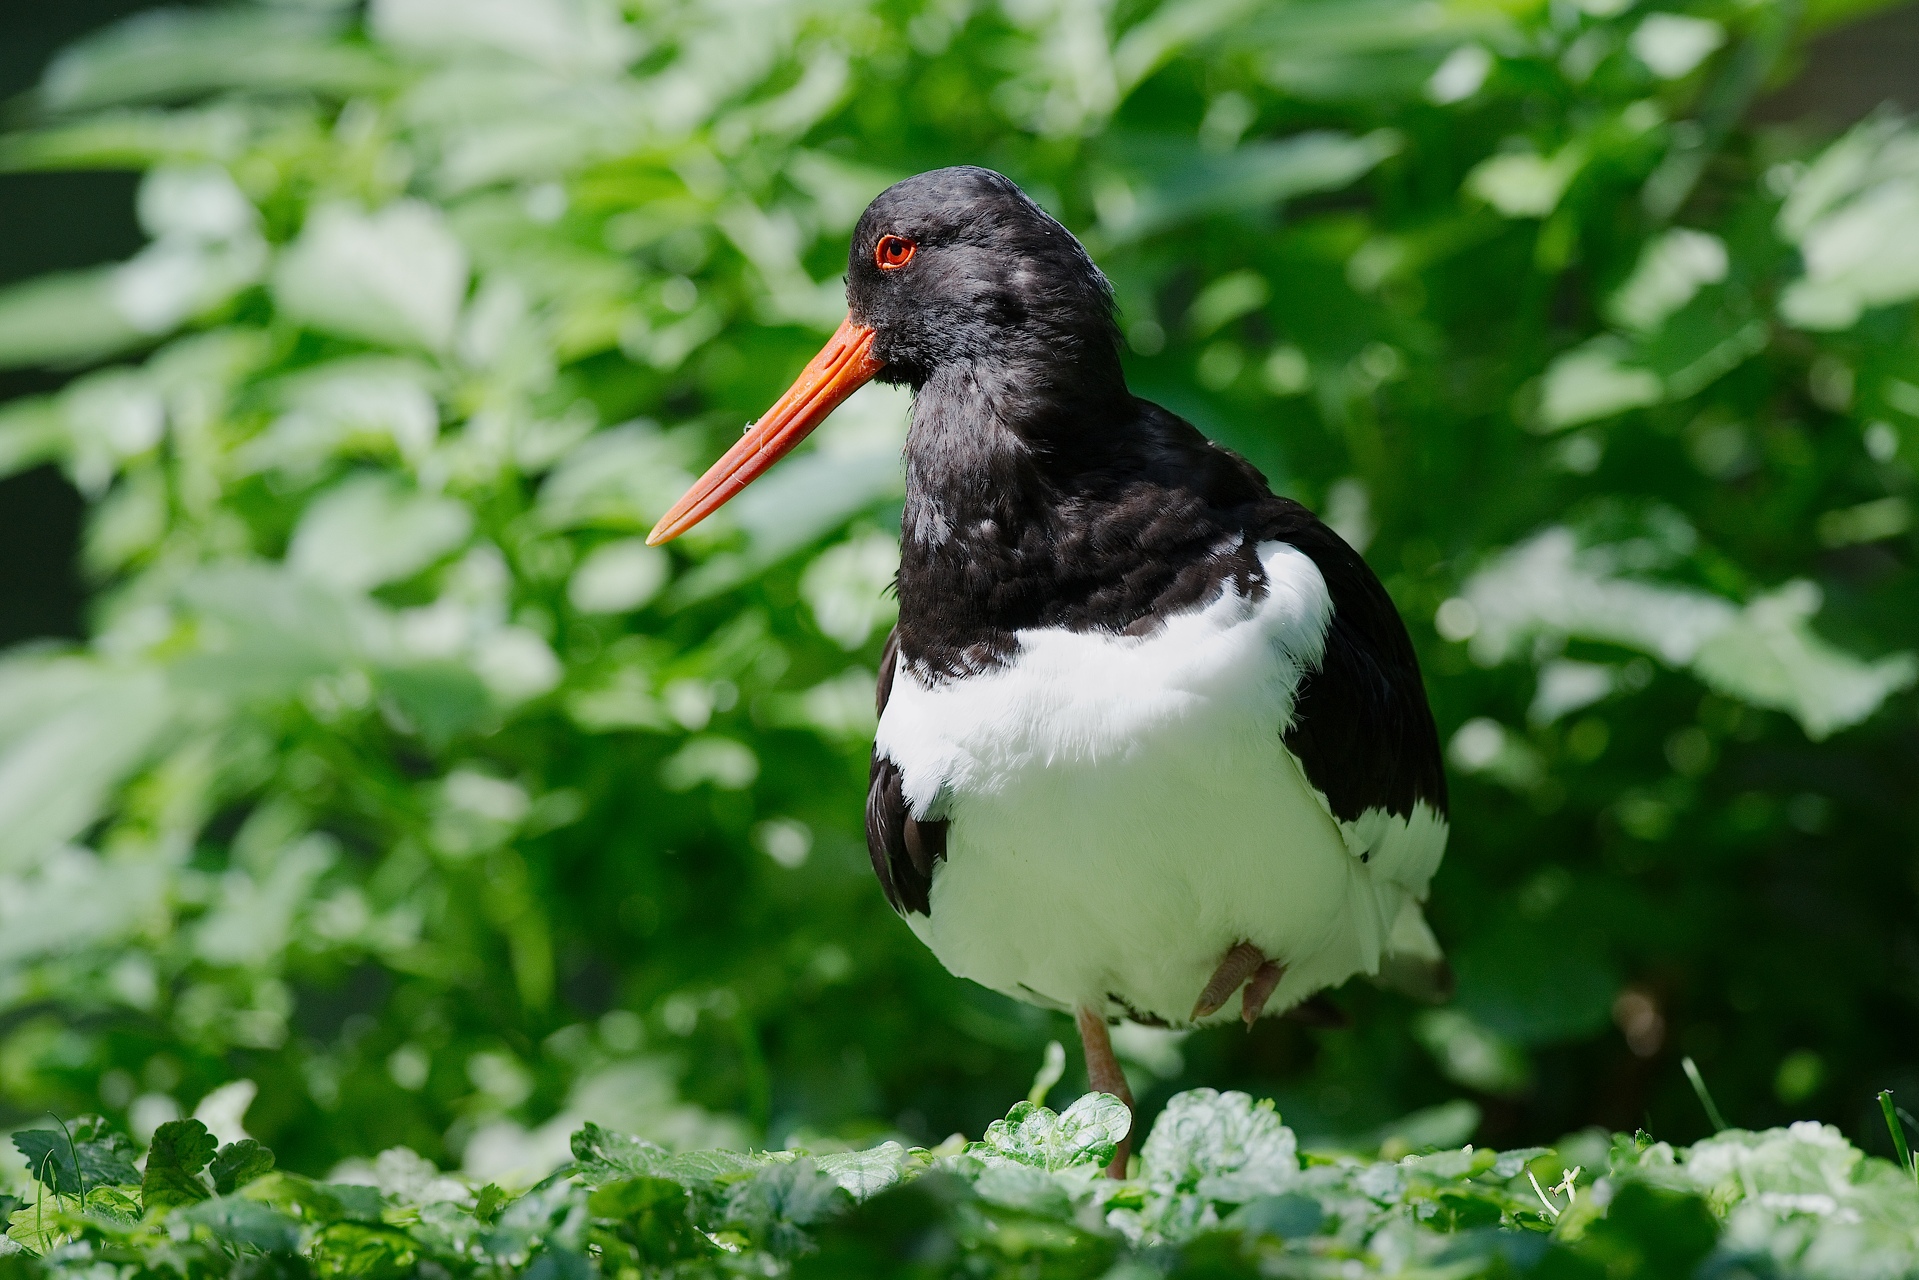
(1123, 810)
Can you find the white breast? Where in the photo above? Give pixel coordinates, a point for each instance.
(1123, 809)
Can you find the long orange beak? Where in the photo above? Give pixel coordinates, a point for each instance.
(842, 367)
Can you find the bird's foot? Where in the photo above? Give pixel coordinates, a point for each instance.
(1237, 966)
(1103, 1073)
(1243, 963)
(1259, 989)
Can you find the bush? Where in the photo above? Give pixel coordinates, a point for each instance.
(398, 779)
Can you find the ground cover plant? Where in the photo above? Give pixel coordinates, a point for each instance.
(1220, 1189)
(400, 797)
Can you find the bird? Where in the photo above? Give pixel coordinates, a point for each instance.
(1150, 735)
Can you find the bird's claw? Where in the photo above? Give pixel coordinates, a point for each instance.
(1241, 962)
(1259, 989)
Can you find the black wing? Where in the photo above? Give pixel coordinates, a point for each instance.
(903, 848)
(1361, 724)
(1362, 729)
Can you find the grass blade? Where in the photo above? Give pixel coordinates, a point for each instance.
(1719, 1124)
(1898, 1134)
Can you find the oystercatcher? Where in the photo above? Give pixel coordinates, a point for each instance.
(1150, 736)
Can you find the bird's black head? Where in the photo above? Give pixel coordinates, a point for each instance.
(962, 288)
(959, 266)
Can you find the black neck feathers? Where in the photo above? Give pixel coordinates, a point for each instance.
(1108, 514)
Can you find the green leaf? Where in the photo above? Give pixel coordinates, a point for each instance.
(130, 140)
(601, 1156)
(865, 1173)
(360, 1250)
(488, 1203)
(241, 1221)
(112, 1205)
(1449, 1124)
(239, 1163)
(173, 53)
(32, 431)
(106, 1157)
(83, 1157)
(71, 729)
(370, 530)
(1180, 182)
(1028, 1189)
(934, 1216)
(180, 1150)
(49, 1160)
(37, 1227)
(331, 1202)
(652, 1214)
(438, 700)
(394, 277)
(1211, 1147)
(1772, 657)
(621, 478)
(1086, 1133)
(558, 1264)
(1651, 1232)
(1597, 380)
(717, 1166)
(1290, 1217)
(62, 319)
(264, 632)
(773, 1206)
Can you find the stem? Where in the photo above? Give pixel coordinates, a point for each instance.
(39, 1206)
(1898, 1134)
(74, 1153)
(1719, 1124)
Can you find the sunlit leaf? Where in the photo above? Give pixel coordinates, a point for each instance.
(394, 276)
(173, 54)
(70, 731)
(369, 531)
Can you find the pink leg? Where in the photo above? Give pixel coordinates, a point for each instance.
(1102, 1070)
(1238, 965)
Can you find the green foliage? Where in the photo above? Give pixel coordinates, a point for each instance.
(1087, 1133)
(237, 1164)
(69, 1160)
(399, 778)
(1221, 1190)
(181, 1149)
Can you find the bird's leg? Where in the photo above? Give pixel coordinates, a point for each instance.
(1239, 965)
(1259, 989)
(1102, 1071)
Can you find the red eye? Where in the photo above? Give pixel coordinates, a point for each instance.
(893, 252)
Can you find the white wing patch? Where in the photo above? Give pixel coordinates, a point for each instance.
(1076, 696)
(1123, 810)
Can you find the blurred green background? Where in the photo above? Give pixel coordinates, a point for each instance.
(363, 778)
